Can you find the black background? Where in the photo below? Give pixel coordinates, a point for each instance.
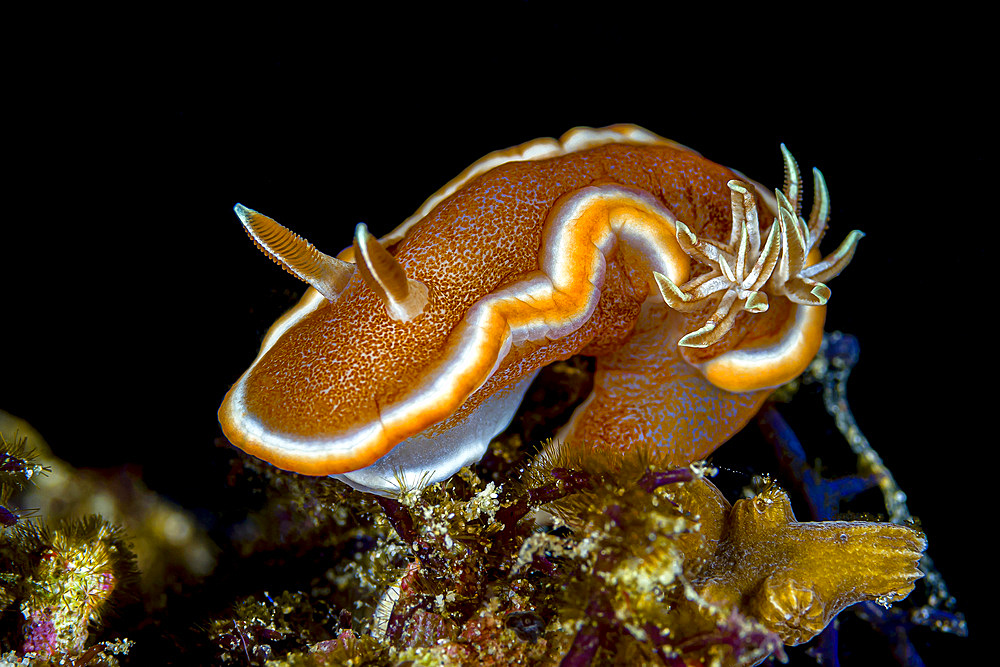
(132, 298)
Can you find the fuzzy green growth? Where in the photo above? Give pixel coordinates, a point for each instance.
(17, 469)
(17, 464)
(637, 541)
(605, 574)
(260, 631)
(63, 579)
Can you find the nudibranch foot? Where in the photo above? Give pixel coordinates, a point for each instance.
(645, 394)
(436, 455)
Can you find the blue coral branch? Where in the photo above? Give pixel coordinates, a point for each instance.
(8, 519)
(823, 496)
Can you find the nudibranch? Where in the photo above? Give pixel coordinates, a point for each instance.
(410, 352)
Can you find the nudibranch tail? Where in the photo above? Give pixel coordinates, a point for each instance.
(404, 298)
(328, 275)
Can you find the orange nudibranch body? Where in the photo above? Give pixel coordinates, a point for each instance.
(412, 352)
